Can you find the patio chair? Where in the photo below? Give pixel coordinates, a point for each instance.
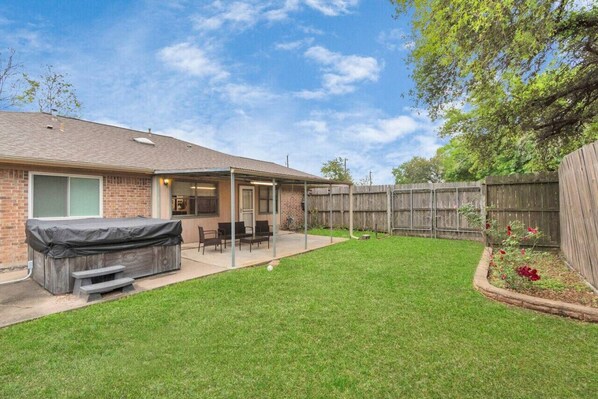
(262, 228)
(225, 231)
(215, 241)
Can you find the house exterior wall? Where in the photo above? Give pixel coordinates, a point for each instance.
(127, 196)
(290, 206)
(13, 214)
(189, 224)
(123, 196)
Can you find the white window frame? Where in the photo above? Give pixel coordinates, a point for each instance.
(68, 195)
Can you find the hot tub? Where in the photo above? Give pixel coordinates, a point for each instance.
(58, 248)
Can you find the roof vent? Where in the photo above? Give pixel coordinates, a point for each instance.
(144, 140)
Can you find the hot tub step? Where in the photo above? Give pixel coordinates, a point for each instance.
(95, 291)
(104, 271)
(84, 277)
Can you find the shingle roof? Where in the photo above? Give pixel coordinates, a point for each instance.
(25, 136)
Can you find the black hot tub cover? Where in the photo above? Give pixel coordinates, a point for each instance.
(80, 237)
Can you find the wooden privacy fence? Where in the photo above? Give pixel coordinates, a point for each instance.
(532, 199)
(429, 210)
(578, 176)
(432, 209)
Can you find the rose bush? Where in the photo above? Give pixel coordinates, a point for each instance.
(510, 263)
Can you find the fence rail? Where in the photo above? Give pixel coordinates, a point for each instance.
(578, 176)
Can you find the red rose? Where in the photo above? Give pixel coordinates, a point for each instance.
(487, 226)
(532, 231)
(502, 252)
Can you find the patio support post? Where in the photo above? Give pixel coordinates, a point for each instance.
(351, 211)
(274, 205)
(330, 210)
(232, 216)
(305, 212)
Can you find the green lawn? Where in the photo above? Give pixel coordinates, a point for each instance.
(395, 317)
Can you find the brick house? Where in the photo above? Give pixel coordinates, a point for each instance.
(54, 167)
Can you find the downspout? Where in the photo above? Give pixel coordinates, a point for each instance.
(29, 267)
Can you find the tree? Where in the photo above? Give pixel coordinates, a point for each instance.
(335, 170)
(418, 170)
(364, 181)
(9, 78)
(499, 72)
(51, 91)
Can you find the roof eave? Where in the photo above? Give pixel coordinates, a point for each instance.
(13, 160)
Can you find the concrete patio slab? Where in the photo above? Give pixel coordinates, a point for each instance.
(26, 300)
(287, 244)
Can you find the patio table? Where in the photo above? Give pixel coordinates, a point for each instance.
(253, 240)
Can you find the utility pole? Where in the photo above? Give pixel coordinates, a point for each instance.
(345, 166)
(287, 160)
(370, 177)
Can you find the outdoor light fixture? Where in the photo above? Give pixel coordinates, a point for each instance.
(203, 187)
(261, 183)
(166, 181)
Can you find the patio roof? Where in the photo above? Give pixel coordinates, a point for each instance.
(241, 173)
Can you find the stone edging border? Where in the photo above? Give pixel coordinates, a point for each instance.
(481, 283)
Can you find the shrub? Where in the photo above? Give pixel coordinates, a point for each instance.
(510, 262)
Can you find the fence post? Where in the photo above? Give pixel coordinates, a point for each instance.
(483, 210)
(388, 210)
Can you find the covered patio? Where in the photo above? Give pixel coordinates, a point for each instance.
(280, 244)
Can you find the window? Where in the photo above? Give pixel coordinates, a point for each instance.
(194, 199)
(61, 196)
(265, 199)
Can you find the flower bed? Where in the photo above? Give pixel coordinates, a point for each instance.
(557, 281)
(515, 265)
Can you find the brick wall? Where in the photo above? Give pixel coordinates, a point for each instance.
(13, 214)
(124, 196)
(290, 205)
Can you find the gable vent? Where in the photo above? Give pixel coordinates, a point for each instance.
(144, 140)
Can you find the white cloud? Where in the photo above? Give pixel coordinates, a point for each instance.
(332, 7)
(282, 13)
(246, 94)
(385, 130)
(314, 126)
(311, 94)
(193, 60)
(340, 72)
(294, 45)
(240, 15)
(395, 39)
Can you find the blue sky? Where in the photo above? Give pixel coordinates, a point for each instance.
(313, 79)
